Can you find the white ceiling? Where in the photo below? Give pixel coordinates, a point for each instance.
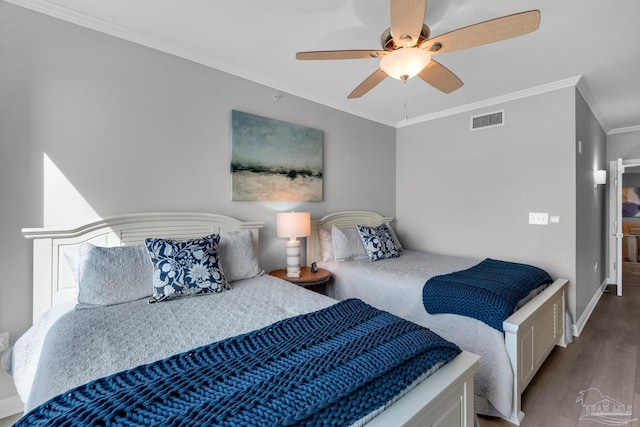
(595, 41)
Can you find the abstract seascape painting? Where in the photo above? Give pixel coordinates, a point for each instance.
(630, 202)
(274, 160)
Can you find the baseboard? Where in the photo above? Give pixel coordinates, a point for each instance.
(578, 326)
(10, 406)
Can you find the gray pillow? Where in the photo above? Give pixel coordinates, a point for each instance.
(347, 244)
(326, 244)
(237, 256)
(108, 276)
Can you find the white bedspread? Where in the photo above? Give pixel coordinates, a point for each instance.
(123, 336)
(395, 285)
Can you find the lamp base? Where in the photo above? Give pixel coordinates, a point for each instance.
(295, 274)
(293, 258)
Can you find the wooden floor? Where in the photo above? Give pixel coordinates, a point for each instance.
(631, 273)
(606, 357)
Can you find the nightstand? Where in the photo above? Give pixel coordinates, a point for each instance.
(314, 281)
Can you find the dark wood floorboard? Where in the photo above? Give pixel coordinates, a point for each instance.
(604, 359)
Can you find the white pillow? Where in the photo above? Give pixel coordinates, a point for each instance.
(237, 256)
(115, 275)
(347, 244)
(326, 244)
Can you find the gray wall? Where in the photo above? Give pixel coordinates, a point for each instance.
(591, 202)
(136, 130)
(469, 193)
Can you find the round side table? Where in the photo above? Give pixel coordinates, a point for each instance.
(314, 281)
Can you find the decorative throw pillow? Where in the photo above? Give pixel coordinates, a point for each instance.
(184, 268)
(347, 244)
(326, 244)
(114, 275)
(237, 256)
(377, 242)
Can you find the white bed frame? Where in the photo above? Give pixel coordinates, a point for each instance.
(530, 333)
(443, 399)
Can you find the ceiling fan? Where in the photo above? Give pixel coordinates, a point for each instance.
(407, 48)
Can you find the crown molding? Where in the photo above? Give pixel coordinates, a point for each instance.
(561, 84)
(85, 21)
(624, 130)
(593, 105)
(82, 20)
(104, 27)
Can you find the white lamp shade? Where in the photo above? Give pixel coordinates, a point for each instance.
(404, 63)
(294, 224)
(600, 177)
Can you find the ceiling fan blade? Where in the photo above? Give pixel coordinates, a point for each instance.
(368, 84)
(341, 54)
(407, 17)
(485, 32)
(440, 77)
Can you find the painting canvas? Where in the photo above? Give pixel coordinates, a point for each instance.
(631, 202)
(274, 160)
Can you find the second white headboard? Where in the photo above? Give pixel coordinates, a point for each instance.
(343, 219)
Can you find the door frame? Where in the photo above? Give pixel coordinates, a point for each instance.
(616, 171)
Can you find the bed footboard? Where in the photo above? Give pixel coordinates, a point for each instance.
(530, 335)
(450, 402)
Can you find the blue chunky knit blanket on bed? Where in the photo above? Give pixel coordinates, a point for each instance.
(330, 367)
(488, 291)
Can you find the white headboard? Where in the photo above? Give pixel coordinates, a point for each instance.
(344, 219)
(53, 280)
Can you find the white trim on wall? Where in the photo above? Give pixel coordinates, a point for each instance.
(624, 130)
(65, 14)
(151, 42)
(102, 26)
(580, 323)
(561, 84)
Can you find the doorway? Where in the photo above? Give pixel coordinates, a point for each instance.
(624, 223)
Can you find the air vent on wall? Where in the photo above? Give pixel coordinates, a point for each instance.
(487, 120)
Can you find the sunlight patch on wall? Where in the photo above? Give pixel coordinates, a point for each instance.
(63, 203)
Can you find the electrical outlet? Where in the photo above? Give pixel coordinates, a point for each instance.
(4, 341)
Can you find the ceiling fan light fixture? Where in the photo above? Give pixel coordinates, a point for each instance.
(404, 63)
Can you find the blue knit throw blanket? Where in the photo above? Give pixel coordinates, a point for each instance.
(329, 367)
(488, 291)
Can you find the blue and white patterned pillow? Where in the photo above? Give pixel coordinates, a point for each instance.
(183, 268)
(377, 242)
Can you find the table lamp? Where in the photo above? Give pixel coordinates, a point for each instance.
(293, 225)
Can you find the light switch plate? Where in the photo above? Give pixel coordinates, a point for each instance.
(538, 218)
